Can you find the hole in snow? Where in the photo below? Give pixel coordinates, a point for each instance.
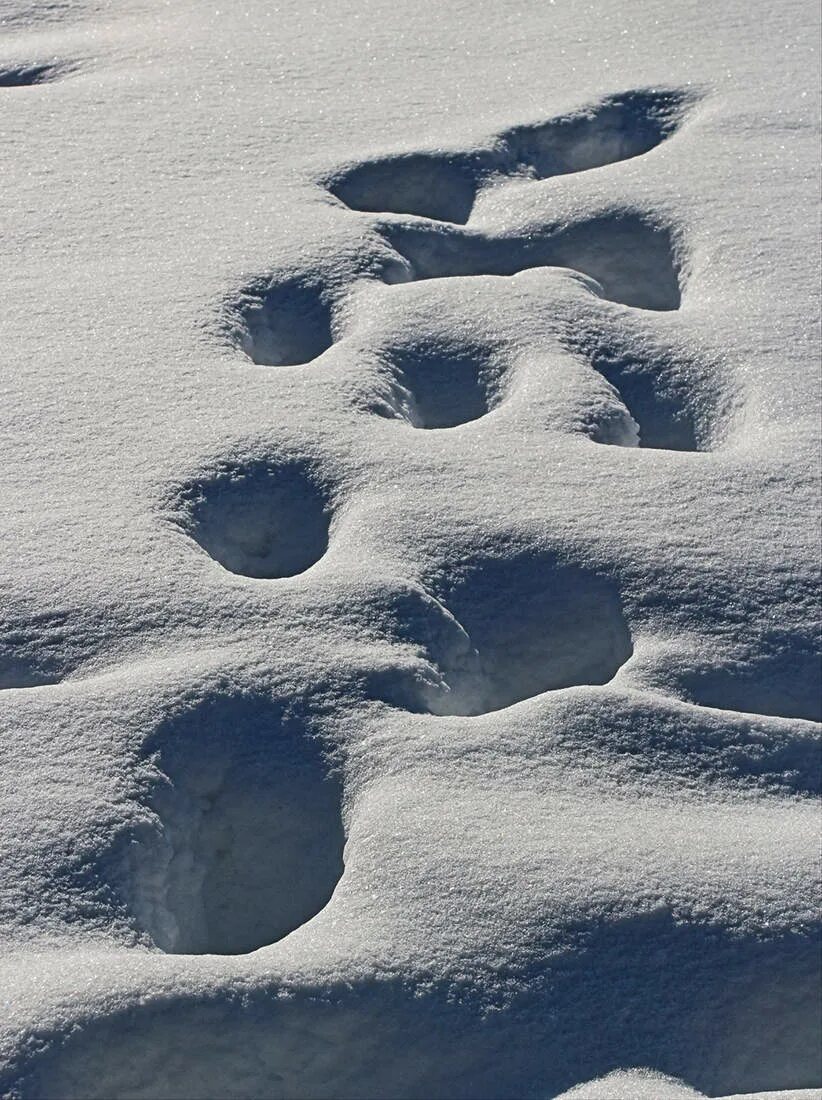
(783, 679)
(259, 520)
(440, 386)
(679, 400)
(631, 259)
(443, 186)
(427, 185)
(284, 322)
(36, 648)
(658, 401)
(249, 838)
(24, 76)
(619, 128)
(24, 672)
(531, 624)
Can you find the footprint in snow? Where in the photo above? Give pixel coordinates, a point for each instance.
(424, 203)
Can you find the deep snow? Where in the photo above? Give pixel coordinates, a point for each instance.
(410, 549)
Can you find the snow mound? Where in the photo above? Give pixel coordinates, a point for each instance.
(645, 1084)
(638, 1084)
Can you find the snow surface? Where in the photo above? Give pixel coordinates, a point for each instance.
(642, 1084)
(410, 548)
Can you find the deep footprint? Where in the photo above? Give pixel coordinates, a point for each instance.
(784, 680)
(37, 649)
(678, 405)
(283, 322)
(248, 843)
(26, 663)
(259, 520)
(441, 384)
(620, 127)
(443, 186)
(661, 410)
(533, 624)
(426, 185)
(631, 258)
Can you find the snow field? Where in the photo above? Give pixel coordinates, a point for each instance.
(411, 652)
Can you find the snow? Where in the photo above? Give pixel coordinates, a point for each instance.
(409, 643)
(644, 1085)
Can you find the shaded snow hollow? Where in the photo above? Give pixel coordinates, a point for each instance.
(409, 653)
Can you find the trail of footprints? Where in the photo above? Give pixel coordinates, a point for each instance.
(252, 838)
(424, 202)
(268, 523)
(272, 523)
(565, 625)
(251, 844)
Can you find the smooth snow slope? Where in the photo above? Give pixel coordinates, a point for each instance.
(409, 641)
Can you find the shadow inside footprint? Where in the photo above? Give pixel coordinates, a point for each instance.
(443, 186)
(35, 650)
(24, 76)
(248, 843)
(283, 322)
(534, 625)
(660, 409)
(784, 680)
(618, 128)
(259, 520)
(631, 258)
(427, 185)
(438, 385)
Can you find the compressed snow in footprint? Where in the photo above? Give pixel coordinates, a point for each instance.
(409, 644)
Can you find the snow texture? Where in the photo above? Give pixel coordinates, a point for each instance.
(645, 1085)
(410, 642)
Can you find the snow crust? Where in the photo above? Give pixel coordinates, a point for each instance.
(409, 642)
(646, 1085)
